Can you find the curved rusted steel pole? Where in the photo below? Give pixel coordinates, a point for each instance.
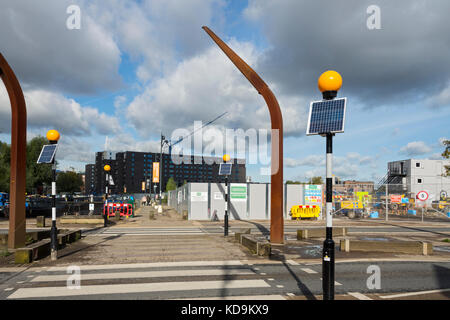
(276, 192)
(17, 222)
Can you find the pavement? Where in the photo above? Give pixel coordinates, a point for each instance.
(171, 258)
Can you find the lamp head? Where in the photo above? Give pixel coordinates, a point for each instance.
(226, 158)
(53, 136)
(107, 168)
(329, 84)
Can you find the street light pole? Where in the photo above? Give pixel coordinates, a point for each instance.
(107, 168)
(328, 244)
(225, 159)
(329, 83)
(53, 137)
(225, 229)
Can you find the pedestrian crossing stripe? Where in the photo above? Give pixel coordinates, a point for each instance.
(57, 292)
(147, 274)
(152, 265)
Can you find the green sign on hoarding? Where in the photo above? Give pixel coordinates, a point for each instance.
(238, 192)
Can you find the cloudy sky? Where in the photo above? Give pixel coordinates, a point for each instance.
(136, 68)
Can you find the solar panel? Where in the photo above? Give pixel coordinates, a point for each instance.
(327, 116)
(47, 153)
(225, 169)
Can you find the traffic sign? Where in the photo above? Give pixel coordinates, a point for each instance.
(422, 195)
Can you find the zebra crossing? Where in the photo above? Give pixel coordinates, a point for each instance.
(145, 231)
(209, 280)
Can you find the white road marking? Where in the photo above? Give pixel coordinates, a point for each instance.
(413, 293)
(20, 282)
(9, 289)
(146, 274)
(153, 265)
(280, 286)
(263, 273)
(47, 292)
(292, 263)
(271, 279)
(359, 296)
(308, 270)
(290, 294)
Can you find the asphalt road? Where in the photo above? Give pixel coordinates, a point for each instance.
(238, 279)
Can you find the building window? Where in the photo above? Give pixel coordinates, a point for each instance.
(419, 180)
(417, 164)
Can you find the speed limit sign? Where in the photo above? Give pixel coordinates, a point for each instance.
(422, 195)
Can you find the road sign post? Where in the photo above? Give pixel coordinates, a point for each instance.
(326, 118)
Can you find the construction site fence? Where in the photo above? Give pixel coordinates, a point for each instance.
(205, 201)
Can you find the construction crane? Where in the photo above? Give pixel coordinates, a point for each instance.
(170, 144)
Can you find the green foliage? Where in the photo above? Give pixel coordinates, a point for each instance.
(171, 184)
(69, 181)
(5, 156)
(294, 182)
(446, 155)
(36, 176)
(316, 180)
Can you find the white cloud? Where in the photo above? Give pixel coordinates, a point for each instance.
(308, 37)
(204, 86)
(46, 109)
(45, 54)
(312, 160)
(441, 141)
(441, 99)
(436, 156)
(415, 148)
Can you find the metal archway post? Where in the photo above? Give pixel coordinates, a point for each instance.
(17, 219)
(276, 192)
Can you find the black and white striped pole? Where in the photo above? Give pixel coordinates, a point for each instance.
(53, 137)
(327, 117)
(107, 168)
(226, 158)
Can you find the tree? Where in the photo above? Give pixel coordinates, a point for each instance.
(69, 181)
(446, 155)
(294, 182)
(36, 175)
(5, 159)
(316, 180)
(171, 184)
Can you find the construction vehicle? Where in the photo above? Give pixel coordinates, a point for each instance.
(351, 209)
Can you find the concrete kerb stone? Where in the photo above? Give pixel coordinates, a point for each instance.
(237, 235)
(261, 248)
(40, 222)
(32, 252)
(42, 248)
(95, 219)
(404, 247)
(319, 233)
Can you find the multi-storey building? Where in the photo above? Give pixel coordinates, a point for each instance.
(132, 171)
(414, 175)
